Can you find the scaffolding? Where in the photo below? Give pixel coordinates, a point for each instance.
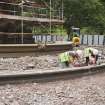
(43, 15)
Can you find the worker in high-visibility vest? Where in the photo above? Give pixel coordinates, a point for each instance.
(76, 40)
(68, 58)
(91, 55)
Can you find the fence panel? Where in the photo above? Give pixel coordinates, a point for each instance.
(48, 38)
(95, 39)
(101, 37)
(92, 39)
(85, 39)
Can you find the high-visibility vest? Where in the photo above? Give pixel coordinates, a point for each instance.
(86, 52)
(64, 57)
(76, 40)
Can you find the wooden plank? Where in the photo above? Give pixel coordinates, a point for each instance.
(19, 48)
(35, 34)
(41, 20)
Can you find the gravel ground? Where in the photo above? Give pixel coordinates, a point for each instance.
(88, 90)
(29, 62)
(42, 62)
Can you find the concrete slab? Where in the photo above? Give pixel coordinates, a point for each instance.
(15, 48)
(51, 73)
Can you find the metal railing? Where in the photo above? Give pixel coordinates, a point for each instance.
(30, 11)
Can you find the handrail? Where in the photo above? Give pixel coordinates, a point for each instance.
(34, 14)
(26, 6)
(9, 33)
(15, 4)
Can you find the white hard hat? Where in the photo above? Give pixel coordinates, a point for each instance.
(70, 52)
(79, 53)
(95, 52)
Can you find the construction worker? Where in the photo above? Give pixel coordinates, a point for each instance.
(76, 40)
(68, 58)
(91, 55)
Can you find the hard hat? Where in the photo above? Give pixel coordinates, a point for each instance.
(95, 51)
(79, 53)
(70, 52)
(99, 55)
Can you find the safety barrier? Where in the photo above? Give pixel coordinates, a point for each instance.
(92, 39)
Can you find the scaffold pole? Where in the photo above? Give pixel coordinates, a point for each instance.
(22, 37)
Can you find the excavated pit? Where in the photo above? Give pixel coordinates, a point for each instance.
(42, 61)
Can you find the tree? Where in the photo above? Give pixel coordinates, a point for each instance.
(83, 13)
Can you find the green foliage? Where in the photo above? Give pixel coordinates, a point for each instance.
(88, 15)
(57, 30)
(85, 13)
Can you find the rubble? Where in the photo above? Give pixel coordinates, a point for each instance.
(29, 62)
(36, 62)
(88, 90)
